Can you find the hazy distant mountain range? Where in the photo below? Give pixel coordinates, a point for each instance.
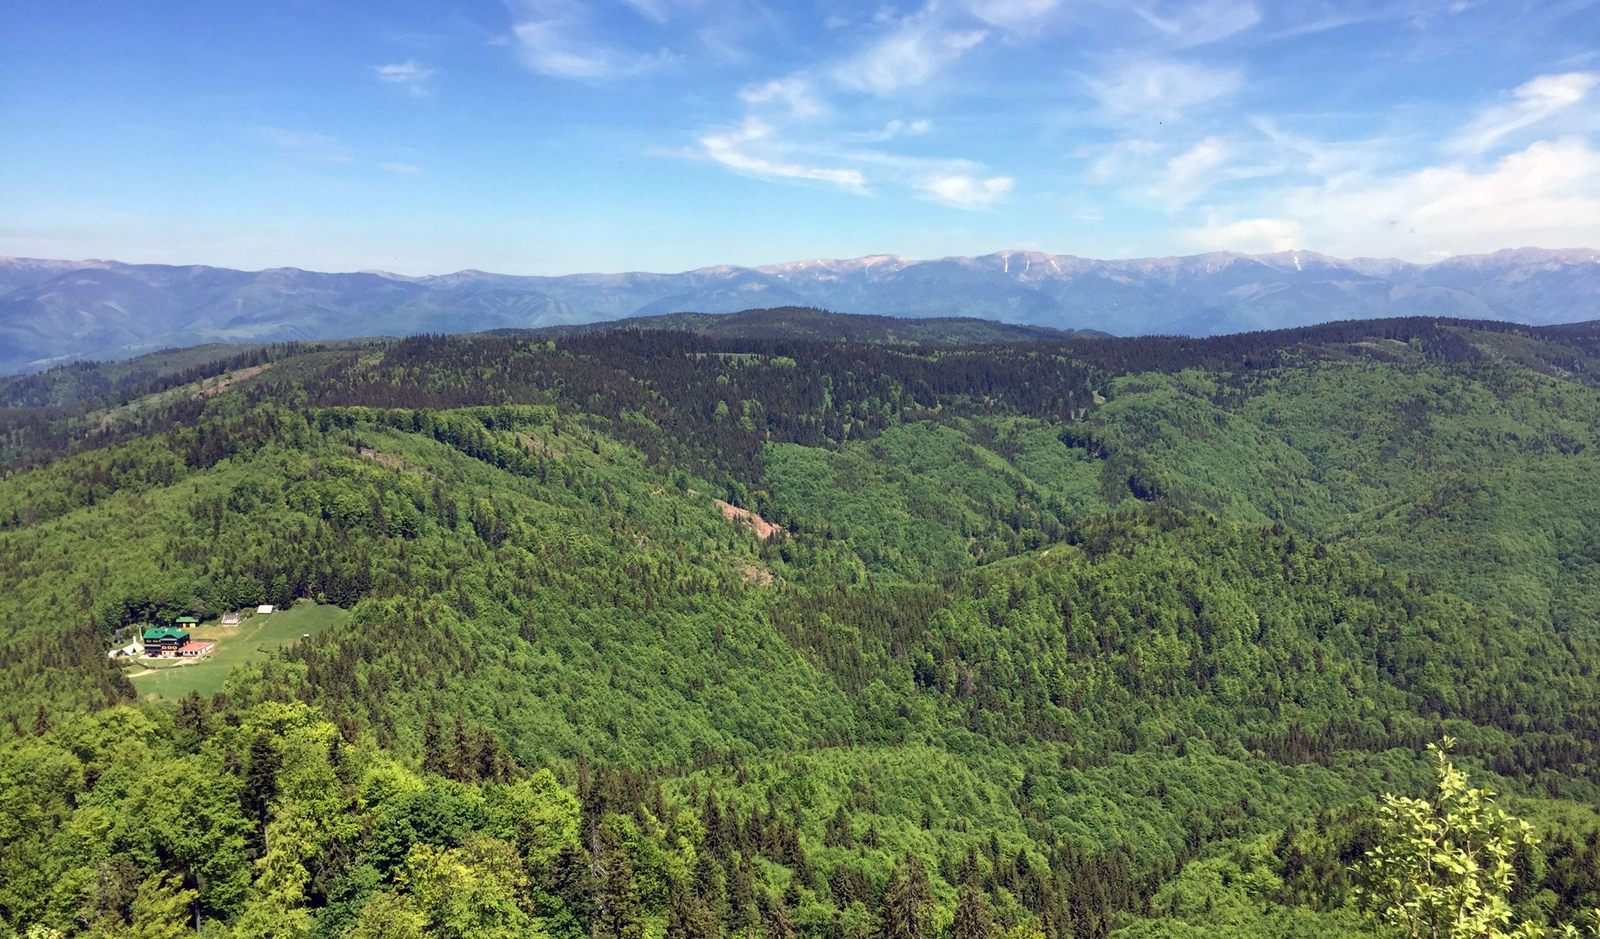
(54, 310)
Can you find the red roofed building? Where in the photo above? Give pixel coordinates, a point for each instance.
(195, 647)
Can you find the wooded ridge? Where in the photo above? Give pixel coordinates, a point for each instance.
(1056, 637)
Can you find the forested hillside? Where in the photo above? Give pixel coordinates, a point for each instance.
(655, 633)
(819, 325)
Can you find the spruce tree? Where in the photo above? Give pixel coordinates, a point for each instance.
(779, 922)
(906, 912)
(973, 919)
(617, 913)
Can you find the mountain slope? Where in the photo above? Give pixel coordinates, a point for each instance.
(51, 310)
(1080, 625)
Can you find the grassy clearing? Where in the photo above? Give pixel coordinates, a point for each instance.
(255, 638)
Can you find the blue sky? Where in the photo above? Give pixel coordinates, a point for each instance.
(552, 136)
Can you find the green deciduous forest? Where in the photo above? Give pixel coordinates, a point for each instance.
(652, 633)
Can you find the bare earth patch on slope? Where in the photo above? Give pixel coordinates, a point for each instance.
(391, 461)
(756, 574)
(229, 380)
(222, 383)
(539, 446)
(763, 528)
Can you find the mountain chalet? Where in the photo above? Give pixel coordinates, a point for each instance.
(174, 642)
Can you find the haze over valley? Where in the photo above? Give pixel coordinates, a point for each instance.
(57, 310)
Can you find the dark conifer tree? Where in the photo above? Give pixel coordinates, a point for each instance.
(906, 911)
(973, 919)
(779, 921)
(689, 916)
(617, 913)
(435, 759)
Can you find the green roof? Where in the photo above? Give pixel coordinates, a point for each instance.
(186, 619)
(166, 632)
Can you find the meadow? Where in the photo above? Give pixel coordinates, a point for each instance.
(258, 637)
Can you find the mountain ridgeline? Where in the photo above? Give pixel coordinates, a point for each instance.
(788, 624)
(794, 323)
(52, 311)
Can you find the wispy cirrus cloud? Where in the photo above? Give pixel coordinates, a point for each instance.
(1531, 104)
(896, 128)
(1320, 157)
(753, 149)
(797, 128)
(562, 39)
(1368, 198)
(1187, 24)
(914, 50)
(794, 92)
(759, 149)
(1013, 14)
(1191, 173)
(656, 11)
(631, 39)
(409, 75)
(1149, 88)
(547, 47)
(401, 169)
(1154, 174)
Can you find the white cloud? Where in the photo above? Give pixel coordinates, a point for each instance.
(401, 169)
(897, 128)
(1191, 173)
(1249, 235)
(1198, 22)
(794, 92)
(1121, 161)
(551, 47)
(1545, 194)
(764, 150)
(1306, 154)
(1164, 89)
(911, 54)
(656, 11)
(1151, 173)
(1531, 103)
(409, 75)
(558, 38)
(1378, 197)
(1012, 14)
(967, 192)
(752, 149)
(790, 132)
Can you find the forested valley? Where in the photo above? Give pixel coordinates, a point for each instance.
(660, 633)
